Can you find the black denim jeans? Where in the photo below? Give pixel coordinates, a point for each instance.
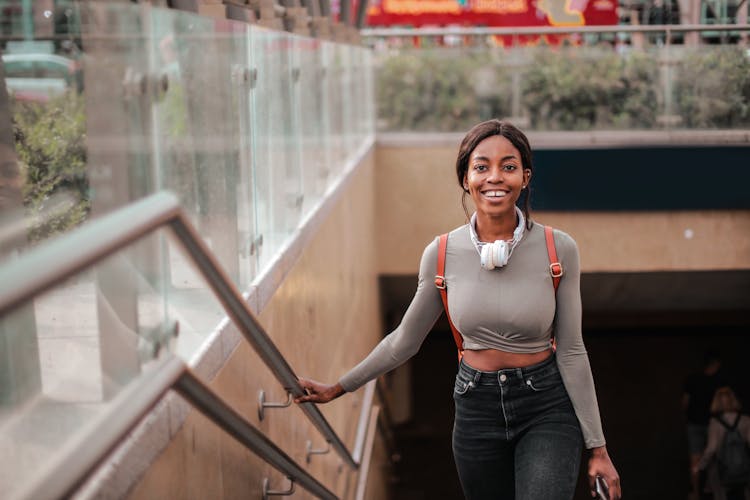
(515, 435)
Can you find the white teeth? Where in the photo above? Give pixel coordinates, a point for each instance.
(494, 194)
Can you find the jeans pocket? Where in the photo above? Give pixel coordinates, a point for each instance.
(543, 382)
(461, 386)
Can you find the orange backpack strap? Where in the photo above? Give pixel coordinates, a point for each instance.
(441, 285)
(555, 268)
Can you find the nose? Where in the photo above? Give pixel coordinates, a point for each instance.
(496, 174)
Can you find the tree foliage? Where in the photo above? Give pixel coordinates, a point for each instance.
(564, 88)
(713, 88)
(437, 90)
(576, 89)
(51, 147)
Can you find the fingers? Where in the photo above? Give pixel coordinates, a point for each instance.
(611, 485)
(592, 485)
(305, 383)
(314, 392)
(317, 392)
(309, 398)
(615, 489)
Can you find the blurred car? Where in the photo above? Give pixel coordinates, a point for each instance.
(39, 76)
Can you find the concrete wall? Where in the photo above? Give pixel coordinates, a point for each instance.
(324, 317)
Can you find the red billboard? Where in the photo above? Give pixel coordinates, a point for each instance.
(416, 13)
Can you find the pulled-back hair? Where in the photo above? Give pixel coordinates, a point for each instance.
(480, 132)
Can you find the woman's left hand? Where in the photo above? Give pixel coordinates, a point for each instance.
(601, 465)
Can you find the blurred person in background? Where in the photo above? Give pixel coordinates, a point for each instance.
(727, 448)
(700, 388)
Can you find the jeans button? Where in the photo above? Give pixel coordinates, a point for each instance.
(503, 377)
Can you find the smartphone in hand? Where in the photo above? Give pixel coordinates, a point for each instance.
(601, 488)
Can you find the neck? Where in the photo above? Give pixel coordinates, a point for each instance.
(491, 228)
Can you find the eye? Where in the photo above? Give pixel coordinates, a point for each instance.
(480, 167)
(509, 167)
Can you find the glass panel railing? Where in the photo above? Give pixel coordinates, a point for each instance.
(206, 97)
(247, 126)
(606, 86)
(337, 111)
(313, 119)
(106, 339)
(276, 159)
(75, 349)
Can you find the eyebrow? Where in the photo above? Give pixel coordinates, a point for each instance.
(484, 158)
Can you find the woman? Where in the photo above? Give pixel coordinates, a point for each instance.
(725, 411)
(523, 409)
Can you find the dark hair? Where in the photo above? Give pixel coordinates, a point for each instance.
(711, 356)
(480, 132)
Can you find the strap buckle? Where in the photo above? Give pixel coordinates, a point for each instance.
(556, 270)
(440, 282)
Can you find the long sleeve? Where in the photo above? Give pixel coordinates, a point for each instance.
(572, 358)
(404, 342)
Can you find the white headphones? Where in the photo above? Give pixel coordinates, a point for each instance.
(497, 254)
(494, 255)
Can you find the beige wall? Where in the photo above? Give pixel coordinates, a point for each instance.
(418, 198)
(324, 317)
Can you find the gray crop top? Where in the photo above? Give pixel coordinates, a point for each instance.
(513, 309)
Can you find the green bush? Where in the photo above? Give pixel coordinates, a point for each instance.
(51, 147)
(712, 89)
(577, 89)
(564, 88)
(437, 90)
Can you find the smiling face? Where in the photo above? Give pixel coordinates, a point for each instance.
(495, 176)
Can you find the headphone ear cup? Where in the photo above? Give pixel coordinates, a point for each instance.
(486, 257)
(501, 254)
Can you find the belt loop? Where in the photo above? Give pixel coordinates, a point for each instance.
(477, 376)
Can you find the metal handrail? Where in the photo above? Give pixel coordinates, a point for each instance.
(249, 326)
(548, 30)
(364, 423)
(67, 472)
(195, 391)
(48, 265)
(385, 420)
(367, 450)
(81, 457)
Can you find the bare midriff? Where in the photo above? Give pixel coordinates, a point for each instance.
(490, 360)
